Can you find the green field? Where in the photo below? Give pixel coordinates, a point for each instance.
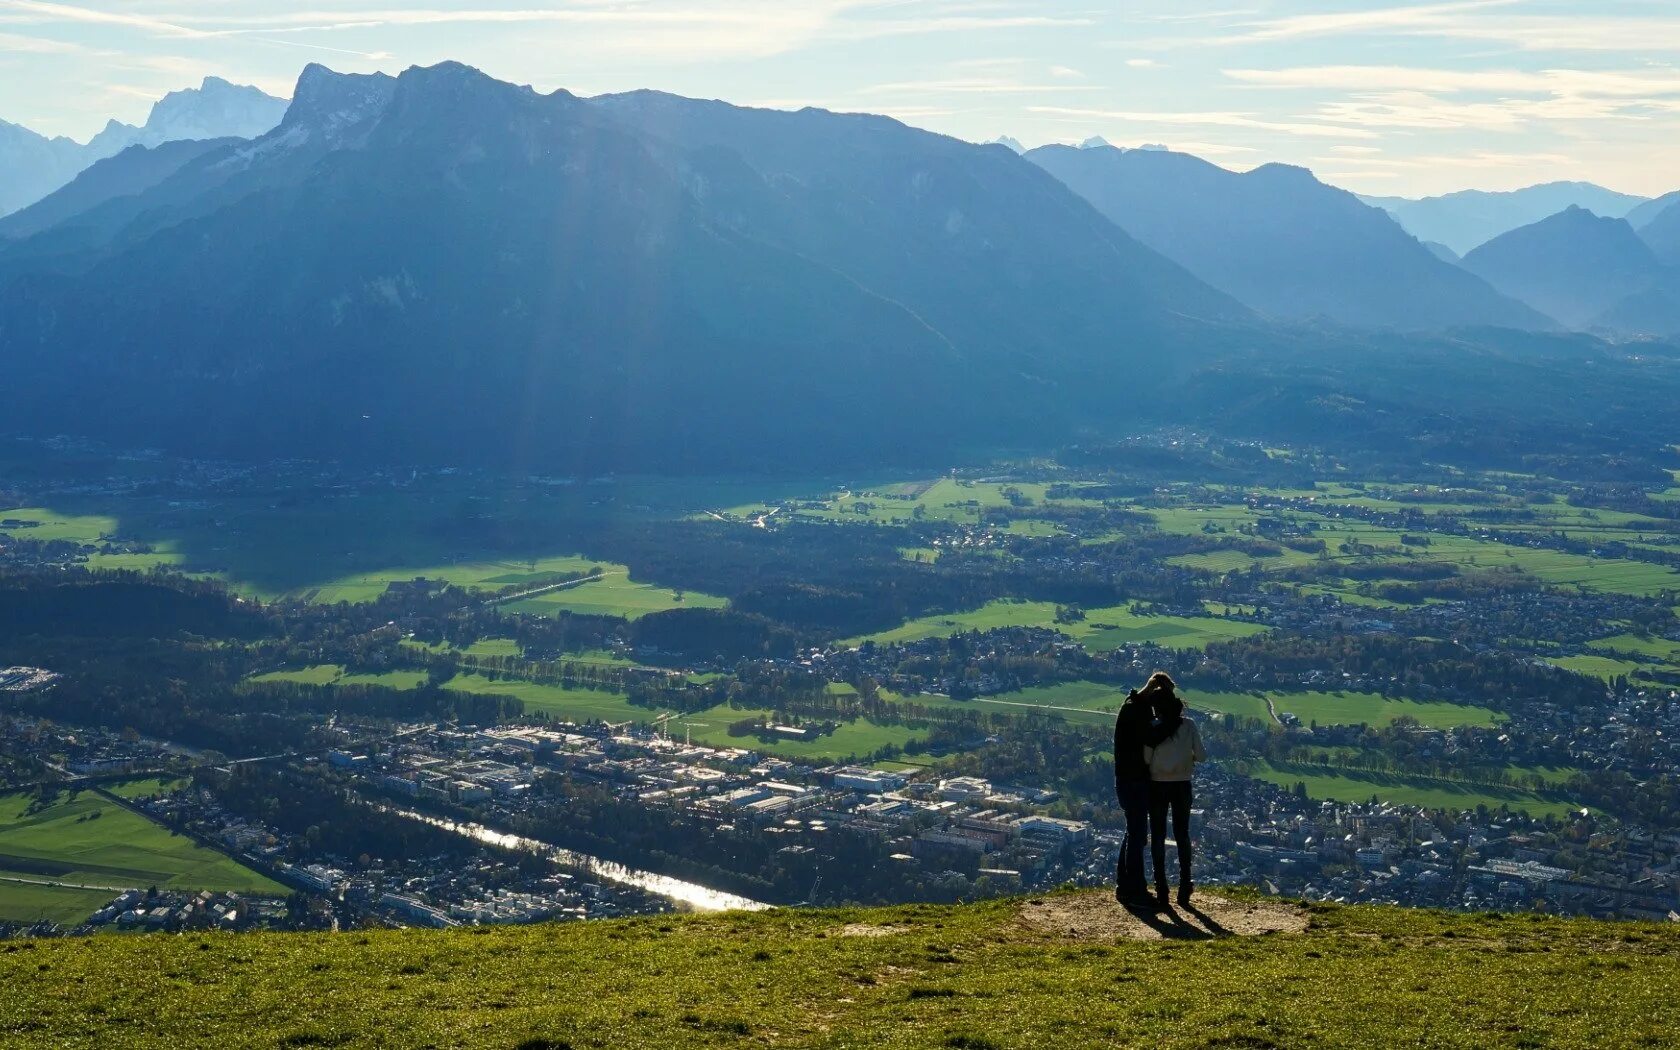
(94, 530)
(1469, 553)
(27, 902)
(116, 850)
(972, 977)
(615, 595)
(1075, 699)
(853, 739)
(1597, 666)
(335, 674)
(1661, 650)
(1099, 631)
(482, 575)
(332, 543)
(146, 787)
(1350, 708)
(708, 727)
(563, 703)
(1352, 785)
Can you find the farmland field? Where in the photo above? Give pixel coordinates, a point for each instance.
(26, 901)
(481, 575)
(117, 849)
(1361, 786)
(614, 595)
(1100, 630)
(334, 674)
(145, 787)
(853, 739)
(563, 703)
(1597, 666)
(709, 727)
(1328, 708)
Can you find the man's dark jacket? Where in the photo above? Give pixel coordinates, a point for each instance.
(1131, 734)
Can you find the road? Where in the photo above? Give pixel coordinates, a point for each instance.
(26, 881)
(562, 585)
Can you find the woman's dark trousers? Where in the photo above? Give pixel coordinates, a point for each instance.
(1173, 795)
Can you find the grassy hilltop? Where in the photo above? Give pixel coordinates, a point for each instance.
(1049, 972)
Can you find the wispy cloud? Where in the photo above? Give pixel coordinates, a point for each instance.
(1203, 118)
(969, 85)
(1487, 99)
(1408, 18)
(1632, 83)
(34, 45)
(1483, 21)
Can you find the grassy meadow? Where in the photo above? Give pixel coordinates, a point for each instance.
(88, 842)
(1353, 785)
(972, 977)
(1099, 631)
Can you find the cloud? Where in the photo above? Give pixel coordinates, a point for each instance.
(1143, 63)
(1066, 73)
(664, 29)
(34, 45)
(1486, 99)
(1207, 118)
(1411, 18)
(1413, 109)
(1482, 21)
(968, 85)
(1407, 78)
(38, 11)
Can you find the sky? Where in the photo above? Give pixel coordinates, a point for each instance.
(1380, 97)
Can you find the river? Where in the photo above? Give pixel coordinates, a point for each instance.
(692, 894)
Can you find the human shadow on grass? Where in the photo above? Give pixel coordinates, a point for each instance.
(1212, 924)
(1170, 924)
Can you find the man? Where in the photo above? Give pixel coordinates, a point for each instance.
(1131, 784)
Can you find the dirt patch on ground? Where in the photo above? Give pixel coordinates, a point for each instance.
(1096, 916)
(864, 929)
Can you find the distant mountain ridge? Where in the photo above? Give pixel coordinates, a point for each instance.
(33, 166)
(454, 268)
(1469, 218)
(1280, 241)
(1573, 265)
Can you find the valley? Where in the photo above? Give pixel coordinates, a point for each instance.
(1394, 640)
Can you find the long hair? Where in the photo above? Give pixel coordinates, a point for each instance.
(1170, 710)
(1160, 682)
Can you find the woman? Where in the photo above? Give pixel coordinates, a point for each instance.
(1176, 747)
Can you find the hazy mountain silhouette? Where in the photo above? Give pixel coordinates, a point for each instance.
(1639, 217)
(32, 166)
(1280, 241)
(132, 171)
(449, 267)
(214, 109)
(1662, 232)
(1469, 218)
(1573, 265)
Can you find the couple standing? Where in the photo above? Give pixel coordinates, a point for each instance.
(1156, 750)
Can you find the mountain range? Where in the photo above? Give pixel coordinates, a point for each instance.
(442, 265)
(1280, 241)
(1575, 266)
(32, 165)
(1469, 218)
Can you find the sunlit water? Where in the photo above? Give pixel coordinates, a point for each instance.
(692, 894)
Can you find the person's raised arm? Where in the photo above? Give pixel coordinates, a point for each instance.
(1198, 753)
